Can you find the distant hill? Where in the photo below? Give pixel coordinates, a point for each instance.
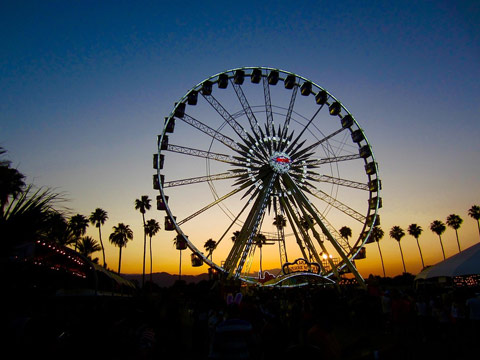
(164, 279)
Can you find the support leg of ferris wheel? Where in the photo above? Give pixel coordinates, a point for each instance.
(301, 197)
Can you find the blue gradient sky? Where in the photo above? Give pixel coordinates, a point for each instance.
(85, 86)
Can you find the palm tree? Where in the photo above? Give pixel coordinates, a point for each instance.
(179, 243)
(119, 237)
(209, 246)
(142, 205)
(281, 222)
(346, 233)
(78, 223)
(397, 233)
(377, 235)
(98, 218)
(474, 212)
(259, 240)
(454, 221)
(152, 228)
(416, 230)
(11, 182)
(87, 246)
(438, 227)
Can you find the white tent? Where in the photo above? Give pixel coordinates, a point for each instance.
(466, 262)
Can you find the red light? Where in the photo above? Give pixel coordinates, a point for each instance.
(283, 159)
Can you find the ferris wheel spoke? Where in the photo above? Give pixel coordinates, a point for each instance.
(299, 136)
(329, 160)
(312, 147)
(302, 199)
(283, 143)
(268, 108)
(319, 194)
(204, 154)
(210, 132)
(227, 117)
(200, 179)
(338, 181)
(205, 208)
(247, 110)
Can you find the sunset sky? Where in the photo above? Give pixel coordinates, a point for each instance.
(85, 87)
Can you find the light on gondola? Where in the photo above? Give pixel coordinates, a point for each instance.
(335, 108)
(289, 81)
(347, 121)
(321, 98)
(256, 76)
(273, 77)
(306, 88)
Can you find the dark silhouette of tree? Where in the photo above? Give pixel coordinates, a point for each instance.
(377, 235)
(152, 227)
(78, 223)
(119, 237)
(142, 205)
(27, 218)
(346, 233)
(57, 229)
(209, 246)
(474, 212)
(455, 221)
(416, 230)
(438, 227)
(87, 246)
(259, 241)
(280, 222)
(11, 182)
(98, 218)
(179, 243)
(397, 233)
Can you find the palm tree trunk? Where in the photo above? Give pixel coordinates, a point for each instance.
(420, 250)
(180, 267)
(261, 272)
(478, 223)
(151, 259)
(441, 244)
(458, 241)
(403, 261)
(119, 260)
(101, 243)
(381, 258)
(144, 249)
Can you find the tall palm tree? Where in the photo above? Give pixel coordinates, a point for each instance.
(416, 230)
(438, 227)
(346, 233)
(142, 205)
(87, 246)
(119, 237)
(78, 223)
(397, 233)
(280, 222)
(179, 243)
(377, 235)
(474, 212)
(98, 218)
(454, 221)
(152, 228)
(260, 240)
(209, 246)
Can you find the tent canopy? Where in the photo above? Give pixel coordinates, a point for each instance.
(466, 262)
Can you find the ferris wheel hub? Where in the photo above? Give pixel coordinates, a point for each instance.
(280, 162)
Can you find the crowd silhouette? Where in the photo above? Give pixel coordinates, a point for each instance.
(210, 320)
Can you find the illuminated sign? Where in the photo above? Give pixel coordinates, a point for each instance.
(301, 265)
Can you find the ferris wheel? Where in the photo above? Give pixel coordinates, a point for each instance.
(258, 166)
